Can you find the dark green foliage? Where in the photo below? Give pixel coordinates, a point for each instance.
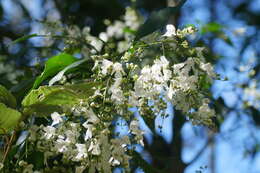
(6, 97)
(157, 20)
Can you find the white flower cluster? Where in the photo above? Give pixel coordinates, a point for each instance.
(64, 137)
(122, 29)
(85, 138)
(180, 84)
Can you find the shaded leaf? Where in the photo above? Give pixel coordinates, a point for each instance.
(36, 158)
(225, 38)
(9, 118)
(255, 115)
(53, 65)
(217, 29)
(48, 99)
(6, 97)
(157, 20)
(22, 88)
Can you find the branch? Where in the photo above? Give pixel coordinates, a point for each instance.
(201, 151)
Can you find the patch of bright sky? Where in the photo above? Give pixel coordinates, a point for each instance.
(191, 148)
(11, 11)
(166, 123)
(34, 7)
(255, 6)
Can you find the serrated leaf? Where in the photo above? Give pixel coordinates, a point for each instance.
(157, 20)
(48, 99)
(6, 97)
(9, 118)
(53, 65)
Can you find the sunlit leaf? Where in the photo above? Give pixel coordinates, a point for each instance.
(9, 118)
(53, 65)
(47, 99)
(211, 27)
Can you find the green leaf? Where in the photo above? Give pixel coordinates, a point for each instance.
(53, 65)
(217, 29)
(48, 99)
(9, 118)
(36, 158)
(211, 27)
(24, 38)
(6, 97)
(157, 20)
(22, 88)
(129, 30)
(61, 73)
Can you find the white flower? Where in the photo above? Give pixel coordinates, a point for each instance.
(103, 36)
(209, 69)
(71, 136)
(94, 147)
(116, 91)
(61, 145)
(170, 31)
(117, 67)
(204, 110)
(106, 64)
(133, 99)
(49, 132)
(113, 161)
(92, 118)
(134, 129)
(116, 30)
(89, 128)
(82, 151)
(56, 118)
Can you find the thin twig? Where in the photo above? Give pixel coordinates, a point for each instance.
(8, 147)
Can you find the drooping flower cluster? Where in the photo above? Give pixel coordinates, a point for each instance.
(84, 139)
(88, 145)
